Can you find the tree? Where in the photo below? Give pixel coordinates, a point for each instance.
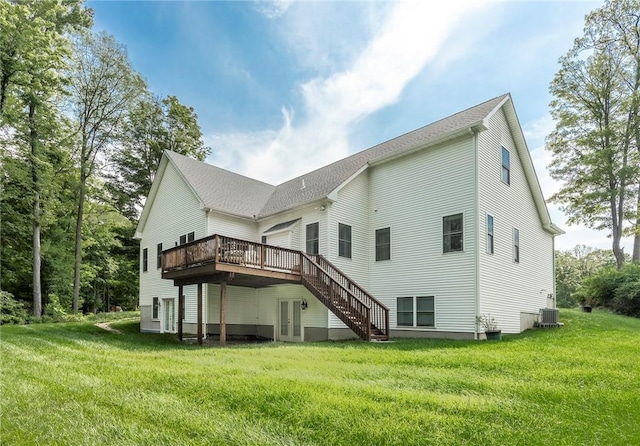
(33, 46)
(32, 32)
(596, 106)
(576, 265)
(152, 127)
(103, 85)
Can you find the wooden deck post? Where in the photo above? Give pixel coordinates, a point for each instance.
(180, 311)
(200, 314)
(223, 322)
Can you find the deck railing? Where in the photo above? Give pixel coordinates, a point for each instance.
(220, 249)
(352, 304)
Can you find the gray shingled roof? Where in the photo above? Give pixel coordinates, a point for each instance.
(221, 189)
(229, 192)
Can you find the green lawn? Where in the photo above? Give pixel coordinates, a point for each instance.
(77, 384)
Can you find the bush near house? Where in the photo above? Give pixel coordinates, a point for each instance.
(616, 289)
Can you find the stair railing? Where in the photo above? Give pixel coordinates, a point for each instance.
(379, 312)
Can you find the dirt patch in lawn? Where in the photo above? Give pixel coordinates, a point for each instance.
(107, 326)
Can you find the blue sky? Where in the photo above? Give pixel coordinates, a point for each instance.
(284, 87)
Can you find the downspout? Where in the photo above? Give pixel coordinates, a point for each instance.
(477, 230)
(205, 292)
(553, 263)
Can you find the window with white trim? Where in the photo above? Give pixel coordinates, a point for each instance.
(490, 234)
(506, 166)
(383, 244)
(155, 308)
(452, 233)
(516, 245)
(159, 256)
(187, 238)
(415, 311)
(145, 260)
(344, 240)
(313, 238)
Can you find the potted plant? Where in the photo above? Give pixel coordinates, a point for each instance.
(489, 325)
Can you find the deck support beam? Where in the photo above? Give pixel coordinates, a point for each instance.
(223, 322)
(200, 314)
(180, 312)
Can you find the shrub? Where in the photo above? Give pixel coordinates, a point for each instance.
(627, 295)
(617, 289)
(13, 311)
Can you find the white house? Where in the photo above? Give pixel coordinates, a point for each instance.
(435, 227)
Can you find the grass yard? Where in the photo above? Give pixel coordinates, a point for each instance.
(78, 384)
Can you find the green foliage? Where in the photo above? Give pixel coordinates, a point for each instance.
(573, 385)
(596, 107)
(617, 289)
(52, 161)
(574, 266)
(13, 311)
(152, 126)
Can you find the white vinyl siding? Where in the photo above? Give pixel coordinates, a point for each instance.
(175, 212)
(351, 208)
(507, 288)
(229, 226)
(306, 214)
(411, 195)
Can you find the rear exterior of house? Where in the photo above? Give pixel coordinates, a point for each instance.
(439, 225)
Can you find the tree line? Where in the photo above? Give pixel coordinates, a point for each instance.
(81, 136)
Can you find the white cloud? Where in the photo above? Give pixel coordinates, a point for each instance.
(273, 9)
(410, 37)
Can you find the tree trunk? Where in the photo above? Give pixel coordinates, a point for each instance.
(78, 241)
(37, 286)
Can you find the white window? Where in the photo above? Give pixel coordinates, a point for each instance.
(187, 238)
(159, 256)
(506, 166)
(313, 237)
(452, 234)
(145, 259)
(383, 244)
(489, 234)
(416, 311)
(156, 308)
(344, 240)
(516, 245)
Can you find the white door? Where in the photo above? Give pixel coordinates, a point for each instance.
(168, 319)
(290, 321)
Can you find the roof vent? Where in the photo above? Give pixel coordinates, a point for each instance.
(303, 185)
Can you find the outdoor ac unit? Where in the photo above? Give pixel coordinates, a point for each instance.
(549, 315)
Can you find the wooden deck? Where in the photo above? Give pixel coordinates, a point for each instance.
(221, 259)
(213, 258)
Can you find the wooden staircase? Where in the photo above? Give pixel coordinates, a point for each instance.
(360, 311)
(213, 258)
